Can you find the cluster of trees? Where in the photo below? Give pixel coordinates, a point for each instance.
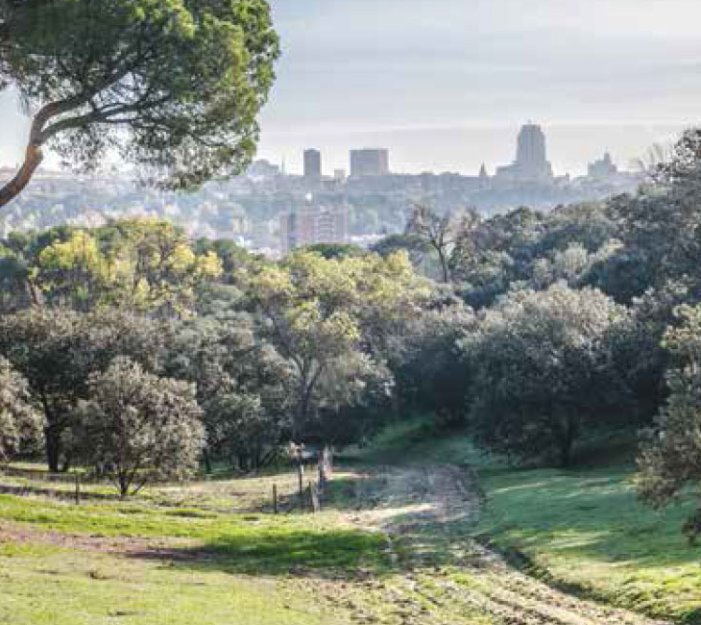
(134, 351)
(554, 327)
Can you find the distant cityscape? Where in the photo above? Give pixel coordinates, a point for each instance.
(270, 211)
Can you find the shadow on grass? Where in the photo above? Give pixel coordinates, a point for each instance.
(332, 554)
(593, 514)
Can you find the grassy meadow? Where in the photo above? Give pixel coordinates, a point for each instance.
(174, 555)
(212, 552)
(582, 529)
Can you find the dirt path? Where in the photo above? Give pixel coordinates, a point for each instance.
(426, 512)
(442, 577)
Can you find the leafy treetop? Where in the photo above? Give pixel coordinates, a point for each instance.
(172, 86)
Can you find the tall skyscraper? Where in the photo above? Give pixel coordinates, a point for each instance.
(530, 153)
(369, 162)
(531, 162)
(312, 164)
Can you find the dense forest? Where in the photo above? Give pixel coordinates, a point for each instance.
(133, 350)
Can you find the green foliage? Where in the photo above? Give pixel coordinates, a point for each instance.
(174, 86)
(137, 427)
(144, 265)
(542, 373)
(241, 385)
(20, 424)
(333, 320)
(432, 371)
(56, 350)
(335, 250)
(670, 458)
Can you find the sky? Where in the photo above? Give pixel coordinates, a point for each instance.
(445, 84)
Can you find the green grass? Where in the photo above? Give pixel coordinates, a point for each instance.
(148, 561)
(215, 567)
(244, 543)
(62, 587)
(583, 528)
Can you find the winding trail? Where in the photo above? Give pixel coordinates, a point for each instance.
(442, 575)
(427, 512)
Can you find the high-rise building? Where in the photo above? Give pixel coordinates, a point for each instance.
(531, 162)
(369, 162)
(313, 224)
(312, 164)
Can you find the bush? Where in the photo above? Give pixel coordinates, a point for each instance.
(138, 427)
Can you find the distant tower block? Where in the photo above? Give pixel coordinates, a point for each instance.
(312, 164)
(531, 154)
(483, 176)
(369, 162)
(531, 162)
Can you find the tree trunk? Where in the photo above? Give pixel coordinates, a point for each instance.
(38, 135)
(566, 443)
(32, 160)
(207, 462)
(53, 448)
(123, 485)
(445, 270)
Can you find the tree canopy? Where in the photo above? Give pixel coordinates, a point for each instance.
(19, 422)
(542, 374)
(670, 459)
(171, 86)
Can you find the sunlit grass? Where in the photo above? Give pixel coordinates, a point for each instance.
(40, 586)
(152, 560)
(583, 528)
(586, 528)
(262, 543)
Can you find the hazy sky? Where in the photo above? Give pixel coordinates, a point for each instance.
(445, 83)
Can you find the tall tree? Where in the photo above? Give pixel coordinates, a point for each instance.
(172, 86)
(438, 232)
(331, 319)
(56, 350)
(240, 382)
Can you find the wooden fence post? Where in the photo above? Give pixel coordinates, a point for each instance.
(300, 480)
(314, 497)
(77, 489)
(275, 508)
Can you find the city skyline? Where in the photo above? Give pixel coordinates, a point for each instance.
(531, 161)
(445, 85)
